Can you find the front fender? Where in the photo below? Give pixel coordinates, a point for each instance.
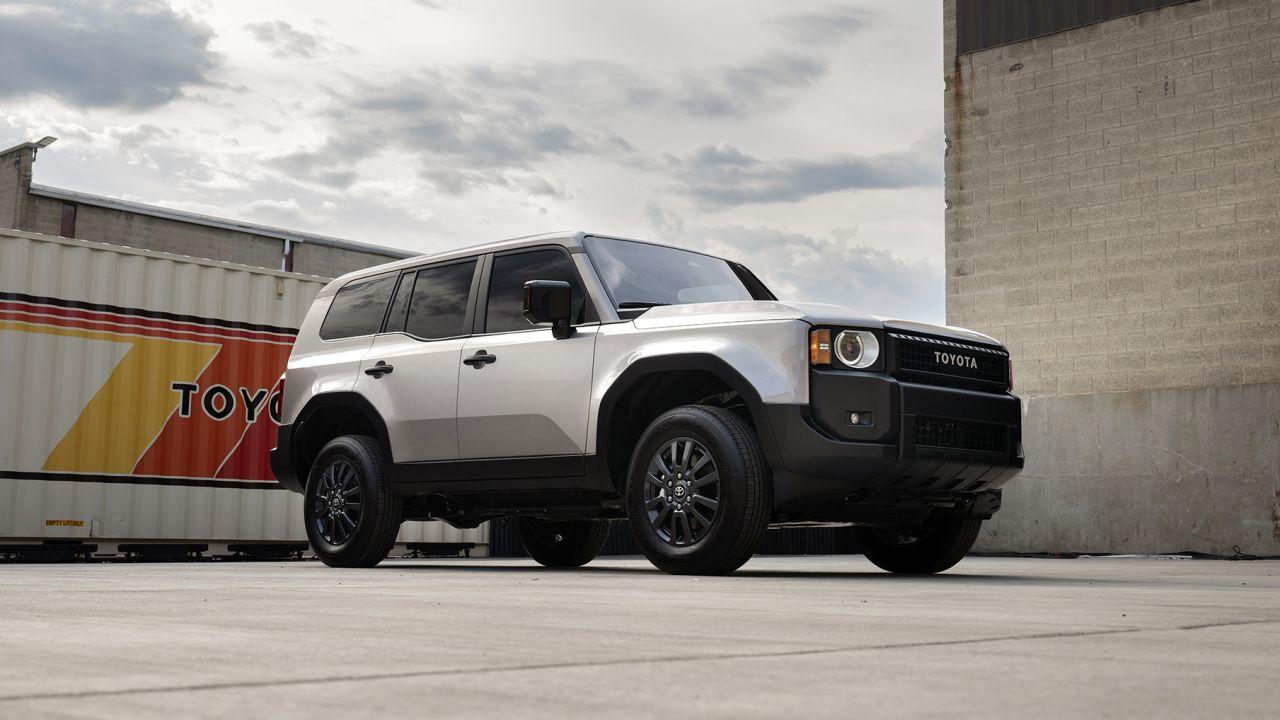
(764, 362)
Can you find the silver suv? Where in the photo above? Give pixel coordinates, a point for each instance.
(570, 380)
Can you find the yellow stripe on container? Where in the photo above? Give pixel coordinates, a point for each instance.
(99, 442)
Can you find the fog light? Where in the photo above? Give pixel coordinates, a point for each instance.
(860, 418)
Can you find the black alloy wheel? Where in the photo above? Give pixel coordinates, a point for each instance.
(337, 503)
(351, 513)
(923, 549)
(698, 492)
(682, 491)
(562, 543)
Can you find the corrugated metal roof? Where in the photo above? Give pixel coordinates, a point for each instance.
(982, 24)
(82, 198)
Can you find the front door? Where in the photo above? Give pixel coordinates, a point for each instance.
(521, 392)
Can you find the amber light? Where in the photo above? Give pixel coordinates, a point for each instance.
(820, 347)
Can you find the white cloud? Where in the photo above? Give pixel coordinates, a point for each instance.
(721, 175)
(103, 52)
(834, 268)
(788, 137)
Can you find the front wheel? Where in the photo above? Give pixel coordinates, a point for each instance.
(569, 543)
(922, 549)
(352, 514)
(698, 491)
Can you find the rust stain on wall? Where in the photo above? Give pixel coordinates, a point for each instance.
(1275, 516)
(958, 85)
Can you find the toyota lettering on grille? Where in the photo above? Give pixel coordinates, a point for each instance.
(946, 358)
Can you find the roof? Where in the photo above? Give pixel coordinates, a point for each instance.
(20, 146)
(82, 198)
(572, 240)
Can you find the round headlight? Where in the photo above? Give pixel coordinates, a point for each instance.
(857, 348)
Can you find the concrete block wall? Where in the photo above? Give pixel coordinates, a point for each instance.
(120, 227)
(329, 261)
(1113, 214)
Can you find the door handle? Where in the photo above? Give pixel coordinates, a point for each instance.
(379, 369)
(480, 358)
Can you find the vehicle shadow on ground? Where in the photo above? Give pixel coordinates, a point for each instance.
(958, 576)
(955, 576)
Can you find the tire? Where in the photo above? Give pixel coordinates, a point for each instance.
(723, 521)
(923, 550)
(351, 466)
(571, 543)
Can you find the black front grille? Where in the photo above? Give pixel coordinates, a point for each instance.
(944, 362)
(961, 434)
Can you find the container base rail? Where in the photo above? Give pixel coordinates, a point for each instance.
(28, 550)
(267, 551)
(47, 552)
(163, 552)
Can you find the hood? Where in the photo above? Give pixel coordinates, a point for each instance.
(812, 313)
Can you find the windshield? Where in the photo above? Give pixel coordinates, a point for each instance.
(640, 275)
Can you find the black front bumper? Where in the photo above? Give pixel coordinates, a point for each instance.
(929, 446)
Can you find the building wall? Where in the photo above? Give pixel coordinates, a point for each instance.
(329, 261)
(1113, 214)
(119, 227)
(150, 233)
(21, 210)
(15, 177)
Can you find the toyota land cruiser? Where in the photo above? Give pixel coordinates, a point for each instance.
(570, 380)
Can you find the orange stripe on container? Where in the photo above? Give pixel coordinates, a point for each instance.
(129, 330)
(198, 445)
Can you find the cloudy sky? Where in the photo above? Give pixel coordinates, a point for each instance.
(803, 138)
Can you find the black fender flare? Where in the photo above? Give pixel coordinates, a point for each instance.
(660, 364)
(351, 401)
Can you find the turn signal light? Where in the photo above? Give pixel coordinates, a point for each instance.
(820, 347)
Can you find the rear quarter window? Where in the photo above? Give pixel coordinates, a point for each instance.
(358, 308)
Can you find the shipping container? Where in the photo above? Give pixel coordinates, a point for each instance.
(139, 398)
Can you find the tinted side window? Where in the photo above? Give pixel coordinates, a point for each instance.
(506, 287)
(439, 304)
(400, 304)
(357, 309)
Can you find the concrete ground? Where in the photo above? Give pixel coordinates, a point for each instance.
(816, 636)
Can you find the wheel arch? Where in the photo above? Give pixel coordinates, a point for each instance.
(613, 432)
(331, 415)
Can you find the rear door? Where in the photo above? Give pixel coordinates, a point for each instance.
(524, 393)
(410, 374)
(348, 324)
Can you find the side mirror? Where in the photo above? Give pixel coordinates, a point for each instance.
(549, 301)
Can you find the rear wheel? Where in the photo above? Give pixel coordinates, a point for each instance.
(922, 549)
(569, 543)
(352, 514)
(698, 493)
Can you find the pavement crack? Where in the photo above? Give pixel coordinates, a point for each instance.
(197, 687)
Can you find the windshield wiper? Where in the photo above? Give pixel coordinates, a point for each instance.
(634, 304)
